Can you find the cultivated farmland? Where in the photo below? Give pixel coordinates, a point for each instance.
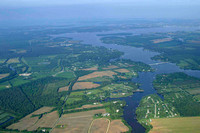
(76, 122)
(84, 85)
(122, 70)
(63, 88)
(117, 126)
(31, 123)
(99, 125)
(162, 40)
(110, 67)
(97, 74)
(91, 69)
(3, 75)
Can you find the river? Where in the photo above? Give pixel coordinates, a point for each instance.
(136, 54)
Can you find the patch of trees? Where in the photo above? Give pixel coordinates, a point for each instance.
(113, 107)
(185, 104)
(28, 97)
(4, 69)
(82, 73)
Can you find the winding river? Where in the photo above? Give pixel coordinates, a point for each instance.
(137, 54)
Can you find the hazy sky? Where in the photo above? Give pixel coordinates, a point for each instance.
(22, 3)
(93, 9)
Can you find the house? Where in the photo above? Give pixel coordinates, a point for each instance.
(89, 93)
(25, 74)
(43, 130)
(106, 114)
(147, 111)
(115, 102)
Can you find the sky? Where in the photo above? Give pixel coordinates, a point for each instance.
(32, 3)
(35, 10)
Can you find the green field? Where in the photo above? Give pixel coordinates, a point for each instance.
(176, 125)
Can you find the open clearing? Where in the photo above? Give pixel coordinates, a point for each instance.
(66, 88)
(117, 126)
(97, 74)
(162, 40)
(76, 122)
(194, 91)
(122, 70)
(3, 75)
(193, 41)
(28, 121)
(88, 106)
(2, 60)
(84, 85)
(176, 125)
(122, 77)
(110, 67)
(13, 60)
(91, 105)
(90, 69)
(99, 125)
